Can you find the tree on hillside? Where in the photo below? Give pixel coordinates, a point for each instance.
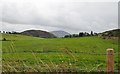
(91, 33)
(13, 32)
(86, 34)
(4, 39)
(95, 34)
(3, 32)
(81, 34)
(75, 35)
(66, 36)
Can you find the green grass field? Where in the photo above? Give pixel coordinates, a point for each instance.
(31, 54)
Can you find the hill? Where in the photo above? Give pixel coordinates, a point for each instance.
(60, 33)
(38, 33)
(110, 34)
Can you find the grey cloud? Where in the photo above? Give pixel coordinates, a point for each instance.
(71, 16)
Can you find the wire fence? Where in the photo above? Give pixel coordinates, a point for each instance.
(89, 53)
(109, 63)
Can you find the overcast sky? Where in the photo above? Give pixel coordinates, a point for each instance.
(68, 15)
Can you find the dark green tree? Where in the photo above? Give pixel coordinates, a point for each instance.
(4, 39)
(92, 33)
(81, 34)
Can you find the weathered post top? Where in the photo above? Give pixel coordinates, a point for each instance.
(110, 49)
(110, 61)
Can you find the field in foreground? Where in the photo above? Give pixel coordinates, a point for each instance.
(31, 54)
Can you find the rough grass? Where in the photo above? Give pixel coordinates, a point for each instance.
(31, 54)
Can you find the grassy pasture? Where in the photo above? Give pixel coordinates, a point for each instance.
(32, 54)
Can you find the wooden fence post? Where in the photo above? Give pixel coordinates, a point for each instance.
(110, 61)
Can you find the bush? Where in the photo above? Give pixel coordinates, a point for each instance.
(4, 39)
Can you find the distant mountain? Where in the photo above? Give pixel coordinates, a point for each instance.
(59, 33)
(38, 33)
(110, 34)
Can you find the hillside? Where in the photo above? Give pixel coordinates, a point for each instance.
(17, 37)
(60, 33)
(110, 34)
(38, 33)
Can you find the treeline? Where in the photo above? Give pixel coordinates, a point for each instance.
(81, 34)
(7, 32)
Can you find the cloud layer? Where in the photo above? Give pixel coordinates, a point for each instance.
(65, 15)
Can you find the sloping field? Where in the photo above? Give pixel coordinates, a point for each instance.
(31, 54)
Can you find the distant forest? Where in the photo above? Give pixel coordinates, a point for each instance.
(81, 34)
(106, 34)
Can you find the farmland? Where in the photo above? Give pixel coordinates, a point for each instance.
(32, 54)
